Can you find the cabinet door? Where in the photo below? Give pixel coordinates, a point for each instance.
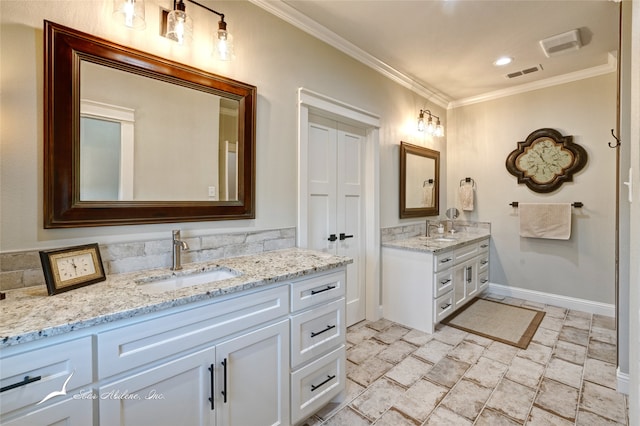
(252, 377)
(71, 412)
(471, 279)
(459, 285)
(176, 392)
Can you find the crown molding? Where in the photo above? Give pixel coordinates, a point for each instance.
(610, 66)
(297, 19)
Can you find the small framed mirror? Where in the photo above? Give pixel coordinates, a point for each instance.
(419, 181)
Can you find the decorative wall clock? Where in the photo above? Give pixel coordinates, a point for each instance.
(545, 160)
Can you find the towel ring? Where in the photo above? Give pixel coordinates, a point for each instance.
(468, 180)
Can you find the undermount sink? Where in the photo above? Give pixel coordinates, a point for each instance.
(443, 239)
(178, 282)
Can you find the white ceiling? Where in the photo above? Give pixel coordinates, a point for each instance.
(447, 48)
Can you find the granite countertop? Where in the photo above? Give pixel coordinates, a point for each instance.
(29, 314)
(439, 242)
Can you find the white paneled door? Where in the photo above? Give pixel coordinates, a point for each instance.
(336, 199)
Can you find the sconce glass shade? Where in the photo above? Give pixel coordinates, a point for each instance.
(179, 27)
(421, 122)
(130, 13)
(223, 43)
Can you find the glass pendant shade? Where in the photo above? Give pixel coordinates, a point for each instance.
(421, 122)
(179, 27)
(223, 43)
(130, 13)
(223, 46)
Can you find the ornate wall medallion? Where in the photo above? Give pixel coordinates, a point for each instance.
(545, 160)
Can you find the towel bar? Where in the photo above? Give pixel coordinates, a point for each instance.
(577, 204)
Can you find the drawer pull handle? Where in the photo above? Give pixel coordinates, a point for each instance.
(484, 245)
(445, 306)
(484, 262)
(211, 399)
(327, 380)
(327, 288)
(224, 392)
(445, 282)
(484, 280)
(26, 381)
(329, 327)
(448, 259)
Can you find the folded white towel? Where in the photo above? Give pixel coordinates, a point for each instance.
(465, 194)
(552, 221)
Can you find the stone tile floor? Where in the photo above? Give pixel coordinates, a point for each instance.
(397, 376)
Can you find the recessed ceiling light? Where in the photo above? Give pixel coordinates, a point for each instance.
(502, 61)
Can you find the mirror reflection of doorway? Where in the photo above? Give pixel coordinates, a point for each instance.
(106, 152)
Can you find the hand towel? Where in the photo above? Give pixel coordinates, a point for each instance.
(465, 194)
(551, 221)
(427, 196)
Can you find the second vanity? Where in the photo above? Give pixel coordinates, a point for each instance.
(264, 347)
(426, 279)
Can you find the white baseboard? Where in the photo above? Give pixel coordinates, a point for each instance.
(554, 299)
(623, 381)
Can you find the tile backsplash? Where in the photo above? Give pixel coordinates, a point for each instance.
(23, 269)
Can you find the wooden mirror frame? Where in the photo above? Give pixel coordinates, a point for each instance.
(408, 212)
(64, 49)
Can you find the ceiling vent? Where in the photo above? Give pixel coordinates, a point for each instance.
(524, 71)
(561, 43)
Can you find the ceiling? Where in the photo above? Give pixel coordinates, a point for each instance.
(447, 48)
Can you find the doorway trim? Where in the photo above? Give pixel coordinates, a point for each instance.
(316, 103)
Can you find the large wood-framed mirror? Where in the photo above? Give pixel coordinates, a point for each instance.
(133, 138)
(419, 181)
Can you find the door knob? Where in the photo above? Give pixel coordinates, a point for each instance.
(344, 237)
(332, 237)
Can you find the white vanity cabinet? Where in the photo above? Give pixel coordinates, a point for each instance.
(318, 338)
(190, 368)
(265, 356)
(421, 288)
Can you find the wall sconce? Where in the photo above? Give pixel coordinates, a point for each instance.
(432, 129)
(178, 26)
(130, 13)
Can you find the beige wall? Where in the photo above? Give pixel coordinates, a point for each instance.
(480, 137)
(271, 54)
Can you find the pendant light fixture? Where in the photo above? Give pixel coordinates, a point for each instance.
(179, 27)
(431, 128)
(130, 13)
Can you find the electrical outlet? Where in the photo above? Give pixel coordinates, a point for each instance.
(212, 192)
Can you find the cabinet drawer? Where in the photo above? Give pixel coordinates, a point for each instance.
(49, 367)
(483, 280)
(442, 261)
(442, 307)
(316, 331)
(483, 262)
(465, 253)
(312, 291)
(442, 283)
(483, 246)
(157, 337)
(316, 384)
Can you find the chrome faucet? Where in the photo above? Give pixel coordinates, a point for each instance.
(177, 245)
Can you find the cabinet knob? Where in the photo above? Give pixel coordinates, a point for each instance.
(332, 238)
